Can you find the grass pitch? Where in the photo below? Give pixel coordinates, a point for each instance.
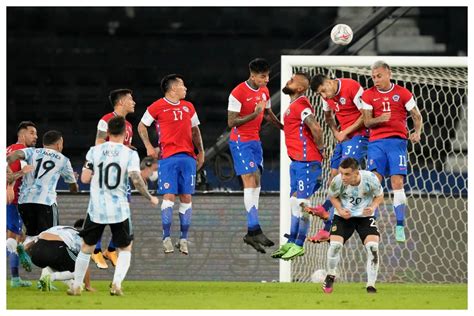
(241, 295)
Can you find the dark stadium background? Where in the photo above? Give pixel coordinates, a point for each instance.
(62, 62)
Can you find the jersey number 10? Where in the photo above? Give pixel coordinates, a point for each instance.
(104, 178)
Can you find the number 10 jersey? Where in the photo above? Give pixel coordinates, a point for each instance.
(111, 164)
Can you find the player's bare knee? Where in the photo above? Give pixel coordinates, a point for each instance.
(185, 198)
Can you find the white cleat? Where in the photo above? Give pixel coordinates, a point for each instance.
(168, 245)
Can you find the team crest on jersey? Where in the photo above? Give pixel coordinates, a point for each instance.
(185, 109)
(166, 185)
(396, 97)
(252, 164)
(371, 162)
(342, 101)
(287, 112)
(264, 97)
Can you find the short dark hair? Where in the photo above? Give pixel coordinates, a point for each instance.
(51, 137)
(79, 223)
(146, 162)
(117, 94)
(349, 163)
(25, 125)
(116, 125)
(316, 81)
(259, 65)
(168, 80)
(304, 74)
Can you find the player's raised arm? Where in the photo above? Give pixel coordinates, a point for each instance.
(418, 124)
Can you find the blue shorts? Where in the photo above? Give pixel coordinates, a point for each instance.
(14, 221)
(356, 148)
(177, 174)
(247, 156)
(305, 178)
(388, 156)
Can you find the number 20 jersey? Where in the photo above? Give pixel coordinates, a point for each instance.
(111, 163)
(39, 186)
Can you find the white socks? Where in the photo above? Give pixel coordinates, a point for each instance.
(249, 198)
(333, 256)
(82, 263)
(123, 263)
(256, 196)
(295, 208)
(11, 245)
(372, 262)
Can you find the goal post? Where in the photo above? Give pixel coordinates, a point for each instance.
(437, 179)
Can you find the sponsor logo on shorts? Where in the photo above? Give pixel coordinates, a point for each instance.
(251, 164)
(396, 97)
(166, 185)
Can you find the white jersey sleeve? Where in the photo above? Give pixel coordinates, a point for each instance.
(326, 107)
(410, 104)
(357, 99)
(102, 126)
(305, 113)
(147, 119)
(269, 104)
(134, 163)
(68, 173)
(234, 104)
(366, 106)
(195, 120)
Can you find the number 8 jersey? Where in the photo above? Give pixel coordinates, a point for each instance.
(39, 186)
(111, 163)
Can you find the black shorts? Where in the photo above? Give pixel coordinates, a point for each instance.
(122, 234)
(38, 217)
(54, 254)
(364, 226)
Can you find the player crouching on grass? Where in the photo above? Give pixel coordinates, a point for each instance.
(355, 194)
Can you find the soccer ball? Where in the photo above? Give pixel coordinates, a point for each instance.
(341, 34)
(318, 276)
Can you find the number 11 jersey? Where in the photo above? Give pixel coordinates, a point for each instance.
(111, 164)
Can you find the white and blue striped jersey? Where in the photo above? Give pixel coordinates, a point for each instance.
(39, 186)
(356, 198)
(69, 235)
(111, 162)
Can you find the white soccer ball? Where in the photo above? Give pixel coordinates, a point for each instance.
(341, 34)
(318, 276)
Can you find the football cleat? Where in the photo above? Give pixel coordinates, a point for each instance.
(282, 250)
(112, 256)
(182, 245)
(318, 211)
(116, 291)
(168, 245)
(263, 240)
(25, 259)
(18, 282)
(400, 233)
(371, 290)
(328, 284)
(293, 252)
(249, 240)
(321, 236)
(99, 260)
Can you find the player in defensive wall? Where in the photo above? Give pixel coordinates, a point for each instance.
(385, 107)
(304, 142)
(341, 97)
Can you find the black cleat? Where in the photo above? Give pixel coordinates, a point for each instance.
(263, 240)
(250, 240)
(328, 284)
(371, 289)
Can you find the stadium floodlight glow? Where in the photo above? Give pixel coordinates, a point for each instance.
(438, 179)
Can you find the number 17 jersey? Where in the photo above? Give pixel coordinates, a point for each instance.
(111, 164)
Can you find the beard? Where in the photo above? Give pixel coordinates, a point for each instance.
(287, 90)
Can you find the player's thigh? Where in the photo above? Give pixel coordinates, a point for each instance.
(342, 227)
(356, 148)
(397, 156)
(14, 222)
(308, 176)
(47, 217)
(45, 253)
(168, 176)
(91, 232)
(122, 233)
(257, 152)
(366, 226)
(336, 157)
(243, 156)
(28, 215)
(377, 158)
(186, 175)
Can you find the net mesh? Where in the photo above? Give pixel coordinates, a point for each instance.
(436, 217)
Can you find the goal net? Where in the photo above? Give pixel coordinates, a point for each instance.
(436, 185)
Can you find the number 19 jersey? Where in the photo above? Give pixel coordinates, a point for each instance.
(111, 163)
(39, 186)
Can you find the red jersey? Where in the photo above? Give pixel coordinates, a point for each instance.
(346, 105)
(298, 138)
(102, 126)
(243, 100)
(397, 100)
(174, 122)
(15, 166)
